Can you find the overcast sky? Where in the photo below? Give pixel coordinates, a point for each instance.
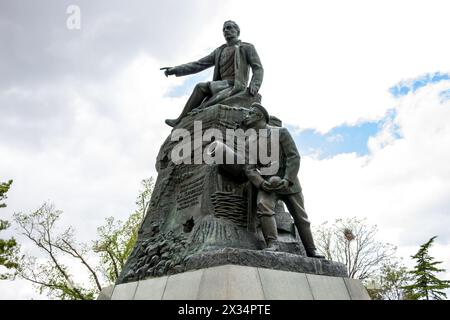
(364, 88)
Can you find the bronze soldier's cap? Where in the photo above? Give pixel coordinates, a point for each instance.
(262, 109)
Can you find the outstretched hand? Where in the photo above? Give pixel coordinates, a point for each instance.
(168, 71)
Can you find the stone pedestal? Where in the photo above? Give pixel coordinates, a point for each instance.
(234, 282)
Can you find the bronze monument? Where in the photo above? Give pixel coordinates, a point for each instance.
(206, 211)
(231, 62)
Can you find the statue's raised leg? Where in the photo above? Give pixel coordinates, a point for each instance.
(201, 91)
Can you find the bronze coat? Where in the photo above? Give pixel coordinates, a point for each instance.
(245, 57)
(289, 163)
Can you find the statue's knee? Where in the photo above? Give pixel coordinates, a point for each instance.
(202, 87)
(265, 209)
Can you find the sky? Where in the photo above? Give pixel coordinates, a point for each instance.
(364, 88)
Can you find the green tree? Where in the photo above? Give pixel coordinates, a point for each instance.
(353, 242)
(426, 285)
(390, 282)
(117, 238)
(51, 273)
(8, 247)
(102, 261)
(4, 187)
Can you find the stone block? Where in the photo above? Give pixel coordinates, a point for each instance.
(183, 286)
(356, 289)
(151, 289)
(231, 282)
(235, 282)
(124, 291)
(284, 285)
(327, 288)
(106, 293)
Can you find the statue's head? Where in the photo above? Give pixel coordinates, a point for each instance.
(256, 114)
(231, 30)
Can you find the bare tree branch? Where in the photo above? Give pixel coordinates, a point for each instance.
(353, 242)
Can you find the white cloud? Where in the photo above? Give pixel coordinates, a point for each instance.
(403, 186)
(93, 168)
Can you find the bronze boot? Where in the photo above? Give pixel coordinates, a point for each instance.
(269, 230)
(308, 242)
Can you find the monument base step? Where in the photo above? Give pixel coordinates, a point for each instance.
(234, 282)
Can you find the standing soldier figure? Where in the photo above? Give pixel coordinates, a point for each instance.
(284, 185)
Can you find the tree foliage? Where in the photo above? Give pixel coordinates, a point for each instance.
(52, 274)
(8, 247)
(101, 262)
(117, 238)
(393, 276)
(353, 242)
(426, 285)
